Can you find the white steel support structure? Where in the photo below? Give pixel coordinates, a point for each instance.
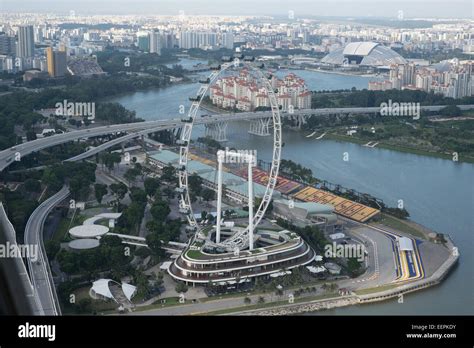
(250, 160)
(239, 240)
(217, 131)
(250, 187)
(220, 160)
(260, 127)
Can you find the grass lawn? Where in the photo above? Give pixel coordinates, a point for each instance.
(60, 235)
(170, 301)
(97, 305)
(195, 254)
(401, 225)
(400, 148)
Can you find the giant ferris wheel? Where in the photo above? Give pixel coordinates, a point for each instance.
(244, 238)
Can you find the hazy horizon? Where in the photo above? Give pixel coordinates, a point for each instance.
(301, 8)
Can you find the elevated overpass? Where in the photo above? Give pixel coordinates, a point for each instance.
(40, 272)
(15, 153)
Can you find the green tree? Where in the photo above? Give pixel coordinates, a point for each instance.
(119, 190)
(153, 241)
(138, 195)
(52, 247)
(30, 135)
(50, 178)
(151, 185)
(353, 267)
(32, 185)
(100, 191)
(207, 194)
(195, 184)
(131, 174)
(450, 111)
(181, 288)
(160, 211)
(168, 192)
(168, 174)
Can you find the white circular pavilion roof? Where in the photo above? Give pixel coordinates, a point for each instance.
(88, 231)
(84, 244)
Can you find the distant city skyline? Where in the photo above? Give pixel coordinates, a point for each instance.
(301, 8)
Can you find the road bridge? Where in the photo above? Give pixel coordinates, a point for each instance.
(137, 129)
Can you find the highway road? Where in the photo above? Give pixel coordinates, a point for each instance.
(40, 272)
(14, 153)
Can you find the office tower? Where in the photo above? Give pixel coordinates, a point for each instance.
(306, 36)
(60, 63)
(26, 43)
(56, 62)
(50, 61)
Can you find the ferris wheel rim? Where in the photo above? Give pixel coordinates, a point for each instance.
(186, 134)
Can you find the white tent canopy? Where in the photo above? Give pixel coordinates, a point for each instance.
(129, 290)
(101, 287)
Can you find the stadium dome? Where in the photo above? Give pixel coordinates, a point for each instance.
(446, 65)
(364, 53)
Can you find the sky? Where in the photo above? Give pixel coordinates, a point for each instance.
(301, 8)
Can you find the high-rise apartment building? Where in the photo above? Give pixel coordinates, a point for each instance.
(155, 42)
(190, 39)
(228, 40)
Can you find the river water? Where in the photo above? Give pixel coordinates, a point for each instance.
(438, 193)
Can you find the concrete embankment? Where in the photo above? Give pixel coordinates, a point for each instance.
(292, 309)
(375, 296)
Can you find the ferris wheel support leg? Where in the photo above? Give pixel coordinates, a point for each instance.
(250, 186)
(220, 159)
